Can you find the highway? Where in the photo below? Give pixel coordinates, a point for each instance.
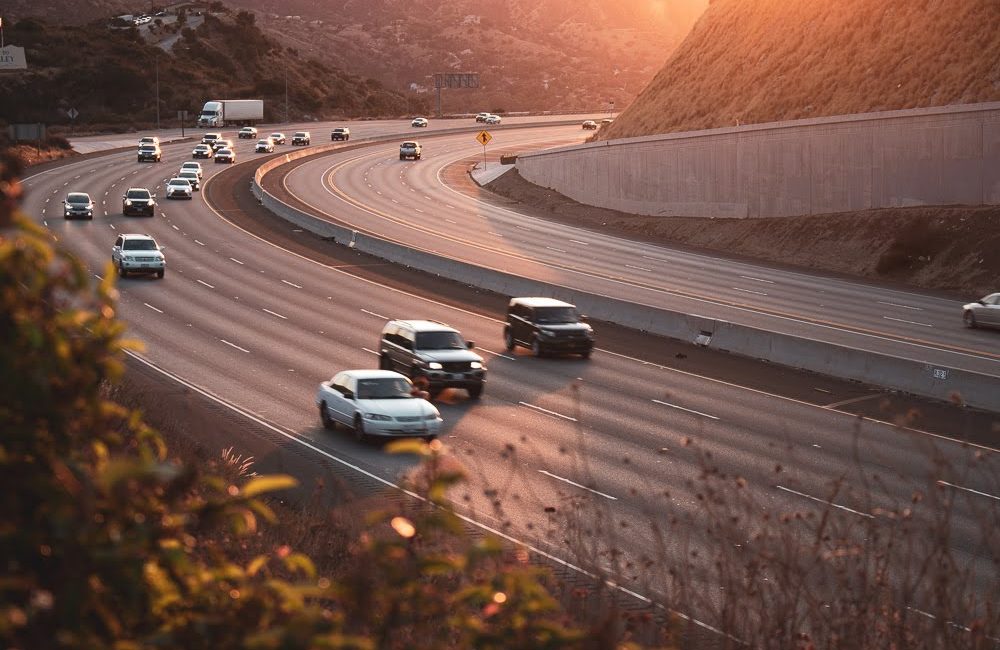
(407, 202)
(616, 436)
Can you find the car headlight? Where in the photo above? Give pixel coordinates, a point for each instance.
(377, 417)
(434, 365)
(476, 365)
(431, 416)
(545, 332)
(129, 258)
(128, 202)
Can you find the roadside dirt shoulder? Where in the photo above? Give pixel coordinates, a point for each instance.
(955, 249)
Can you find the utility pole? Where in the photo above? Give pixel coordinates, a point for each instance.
(286, 93)
(157, 59)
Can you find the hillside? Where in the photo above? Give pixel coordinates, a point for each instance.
(225, 56)
(755, 61)
(531, 54)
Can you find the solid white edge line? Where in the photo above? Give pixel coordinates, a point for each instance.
(959, 487)
(575, 484)
(472, 522)
(681, 408)
(824, 502)
(547, 411)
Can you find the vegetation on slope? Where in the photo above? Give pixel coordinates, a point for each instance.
(755, 61)
(115, 82)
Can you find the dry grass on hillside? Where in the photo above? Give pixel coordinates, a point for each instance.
(756, 61)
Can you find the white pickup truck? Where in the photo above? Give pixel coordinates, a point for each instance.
(376, 403)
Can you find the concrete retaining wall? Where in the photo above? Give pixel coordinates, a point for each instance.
(935, 156)
(907, 375)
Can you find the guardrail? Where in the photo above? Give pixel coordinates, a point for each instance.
(906, 375)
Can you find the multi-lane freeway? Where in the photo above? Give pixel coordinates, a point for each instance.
(259, 326)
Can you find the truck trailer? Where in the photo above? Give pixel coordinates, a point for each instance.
(219, 113)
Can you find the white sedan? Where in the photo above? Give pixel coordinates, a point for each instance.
(419, 122)
(179, 188)
(264, 146)
(493, 119)
(376, 403)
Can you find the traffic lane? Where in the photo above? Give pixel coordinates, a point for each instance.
(916, 329)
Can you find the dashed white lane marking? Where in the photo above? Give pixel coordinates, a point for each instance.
(450, 207)
(98, 277)
(959, 487)
(45, 223)
(370, 351)
(908, 322)
(681, 408)
(638, 268)
(523, 228)
(495, 234)
(206, 284)
(158, 311)
(419, 210)
(577, 241)
(552, 248)
(371, 313)
(233, 345)
(496, 354)
(395, 201)
(893, 304)
(175, 227)
(824, 501)
(574, 484)
(112, 226)
(274, 313)
(237, 261)
(291, 284)
(756, 293)
(750, 277)
(198, 242)
(547, 412)
(451, 221)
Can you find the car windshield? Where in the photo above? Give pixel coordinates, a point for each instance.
(409, 144)
(139, 245)
(137, 194)
(148, 147)
(189, 175)
(300, 134)
(555, 315)
(225, 152)
(78, 198)
(384, 388)
(180, 181)
(339, 130)
(439, 341)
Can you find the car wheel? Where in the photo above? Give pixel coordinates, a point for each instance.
(536, 347)
(359, 429)
(161, 273)
(508, 340)
(384, 362)
(138, 159)
(325, 418)
(476, 391)
(121, 270)
(970, 320)
(586, 353)
(402, 157)
(435, 392)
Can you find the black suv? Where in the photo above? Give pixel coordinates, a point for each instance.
(547, 326)
(433, 355)
(139, 201)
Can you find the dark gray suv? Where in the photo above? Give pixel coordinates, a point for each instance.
(432, 355)
(547, 326)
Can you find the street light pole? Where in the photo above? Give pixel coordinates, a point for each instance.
(286, 93)
(157, 59)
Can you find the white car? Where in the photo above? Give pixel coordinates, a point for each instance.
(264, 146)
(191, 165)
(376, 403)
(277, 138)
(419, 122)
(192, 177)
(202, 151)
(179, 188)
(149, 139)
(589, 125)
(985, 312)
(78, 204)
(493, 119)
(225, 156)
(133, 253)
(247, 133)
(410, 149)
(210, 137)
(481, 117)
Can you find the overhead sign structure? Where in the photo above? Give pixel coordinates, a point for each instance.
(454, 80)
(12, 58)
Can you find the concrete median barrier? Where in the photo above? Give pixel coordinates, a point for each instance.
(905, 375)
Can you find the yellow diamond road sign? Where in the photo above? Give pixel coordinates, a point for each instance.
(484, 138)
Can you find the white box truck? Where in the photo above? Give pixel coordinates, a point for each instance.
(218, 113)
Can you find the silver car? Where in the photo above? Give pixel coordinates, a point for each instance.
(78, 204)
(376, 403)
(983, 313)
